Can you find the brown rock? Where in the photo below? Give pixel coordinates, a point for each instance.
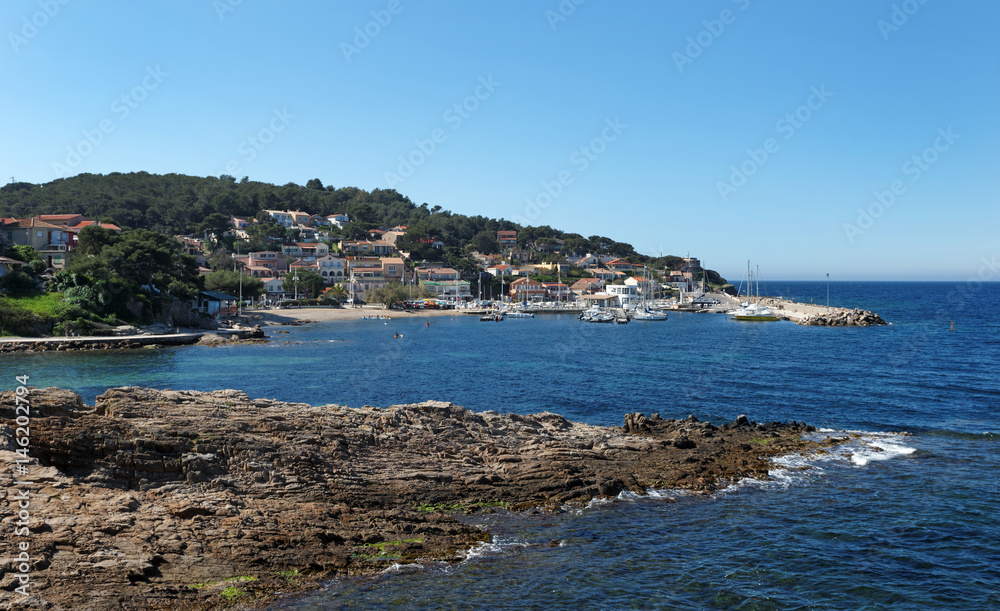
(152, 492)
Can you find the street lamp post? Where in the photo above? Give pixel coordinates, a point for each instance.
(295, 280)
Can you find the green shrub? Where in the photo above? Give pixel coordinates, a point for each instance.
(15, 319)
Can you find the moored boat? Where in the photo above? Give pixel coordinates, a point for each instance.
(753, 311)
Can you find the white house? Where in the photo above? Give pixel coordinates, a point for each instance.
(281, 217)
(628, 295)
(338, 219)
(273, 288)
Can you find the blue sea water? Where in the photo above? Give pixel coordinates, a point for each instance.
(901, 522)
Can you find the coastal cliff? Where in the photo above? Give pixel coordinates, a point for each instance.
(189, 500)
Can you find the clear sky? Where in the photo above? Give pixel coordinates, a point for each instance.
(727, 129)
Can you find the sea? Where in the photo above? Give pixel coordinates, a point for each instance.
(905, 515)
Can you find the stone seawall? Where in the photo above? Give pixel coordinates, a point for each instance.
(192, 500)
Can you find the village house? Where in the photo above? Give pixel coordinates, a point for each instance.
(449, 289)
(557, 291)
(338, 220)
(273, 288)
(240, 223)
(587, 286)
(265, 263)
(587, 262)
(392, 269)
(503, 268)
(628, 295)
(507, 239)
(366, 247)
(51, 241)
(366, 267)
(191, 246)
(605, 274)
(526, 289)
(301, 265)
(619, 265)
(305, 250)
(437, 273)
(332, 268)
(281, 217)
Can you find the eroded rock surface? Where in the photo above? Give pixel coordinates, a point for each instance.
(189, 500)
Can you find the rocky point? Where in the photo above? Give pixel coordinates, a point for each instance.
(159, 499)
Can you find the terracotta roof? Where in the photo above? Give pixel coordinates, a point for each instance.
(33, 222)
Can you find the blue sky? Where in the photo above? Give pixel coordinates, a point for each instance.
(727, 129)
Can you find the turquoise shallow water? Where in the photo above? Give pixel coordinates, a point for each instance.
(910, 524)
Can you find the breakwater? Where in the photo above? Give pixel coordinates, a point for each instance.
(821, 315)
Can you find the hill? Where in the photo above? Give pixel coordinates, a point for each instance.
(179, 204)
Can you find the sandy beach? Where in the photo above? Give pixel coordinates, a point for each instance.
(324, 314)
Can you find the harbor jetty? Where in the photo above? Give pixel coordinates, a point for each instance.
(160, 499)
(821, 315)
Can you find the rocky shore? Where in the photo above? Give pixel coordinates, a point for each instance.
(188, 500)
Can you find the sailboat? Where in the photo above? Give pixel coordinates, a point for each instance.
(643, 312)
(753, 311)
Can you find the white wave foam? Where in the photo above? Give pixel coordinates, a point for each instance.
(403, 568)
(883, 448)
(491, 548)
(859, 448)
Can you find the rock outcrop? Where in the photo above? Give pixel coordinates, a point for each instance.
(189, 500)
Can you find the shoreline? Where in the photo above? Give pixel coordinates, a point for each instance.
(308, 314)
(180, 499)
